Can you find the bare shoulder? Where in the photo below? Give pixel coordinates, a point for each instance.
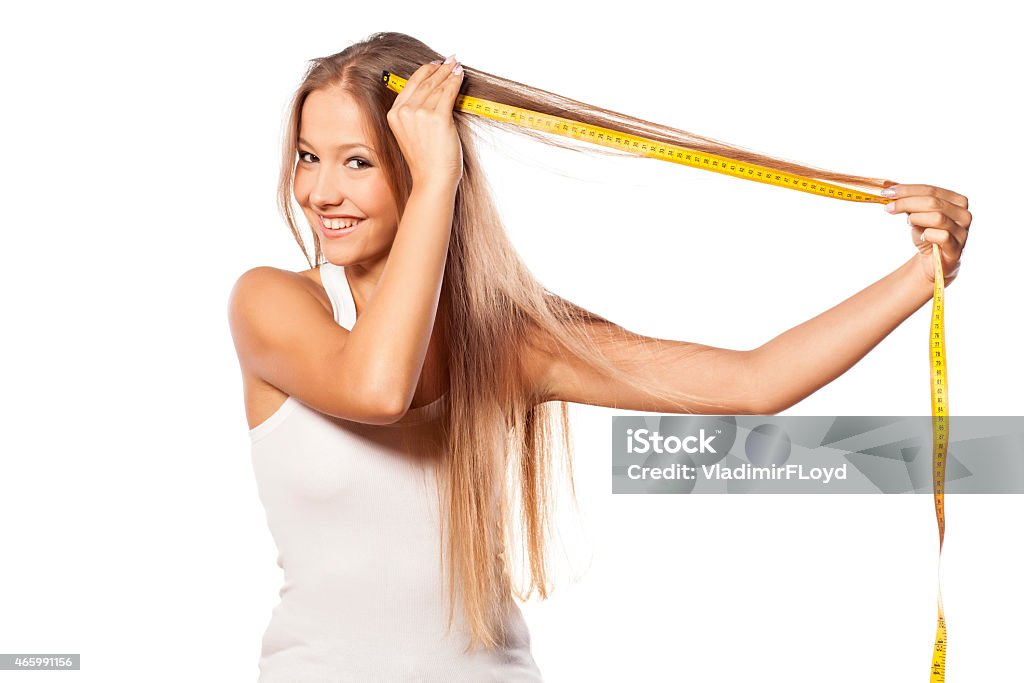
(269, 276)
(256, 284)
(266, 297)
(289, 344)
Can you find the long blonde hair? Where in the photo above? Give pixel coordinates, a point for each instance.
(497, 440)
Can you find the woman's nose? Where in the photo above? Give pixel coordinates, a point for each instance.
(327, 190)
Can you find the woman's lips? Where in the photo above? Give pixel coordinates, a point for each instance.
(334, 234)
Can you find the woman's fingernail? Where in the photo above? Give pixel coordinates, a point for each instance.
(449, 59)
(457, 69)
(435, 61)
(888, 192)
(891, 207)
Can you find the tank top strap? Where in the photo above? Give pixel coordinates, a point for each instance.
(338, 291)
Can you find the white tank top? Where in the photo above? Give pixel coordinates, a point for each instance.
(354, 515)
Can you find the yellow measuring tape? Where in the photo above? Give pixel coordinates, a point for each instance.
(940, 435)
(646, 147)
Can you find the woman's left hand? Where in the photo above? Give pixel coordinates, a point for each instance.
(936, 216)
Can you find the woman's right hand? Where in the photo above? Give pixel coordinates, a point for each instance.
(421, 120)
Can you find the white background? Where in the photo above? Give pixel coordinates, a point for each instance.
(140, 155)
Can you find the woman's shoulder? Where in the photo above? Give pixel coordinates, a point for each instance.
(271, 273)
(258, 281)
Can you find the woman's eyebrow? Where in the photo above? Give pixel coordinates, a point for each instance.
(347, 145)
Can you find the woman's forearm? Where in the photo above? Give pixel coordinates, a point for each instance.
(798, 362)
(390, 340)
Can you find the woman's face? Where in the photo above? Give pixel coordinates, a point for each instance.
(337, 174)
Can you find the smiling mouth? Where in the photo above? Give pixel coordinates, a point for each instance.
(336, 227)
(339, 223)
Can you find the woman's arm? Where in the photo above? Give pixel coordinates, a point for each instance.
(719, 378)
(389, 343)
(798, 362)
(786, 369)
(763, 381)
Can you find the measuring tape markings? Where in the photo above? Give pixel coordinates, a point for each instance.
(940, 436)
(748, 171)
(641, 146)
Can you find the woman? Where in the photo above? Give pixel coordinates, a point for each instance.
(388, 452)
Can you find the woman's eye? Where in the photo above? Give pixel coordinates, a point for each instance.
(312, 156)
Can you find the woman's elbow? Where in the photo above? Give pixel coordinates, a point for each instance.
(760, 397)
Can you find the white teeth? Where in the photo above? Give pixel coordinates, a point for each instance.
(339, 223)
